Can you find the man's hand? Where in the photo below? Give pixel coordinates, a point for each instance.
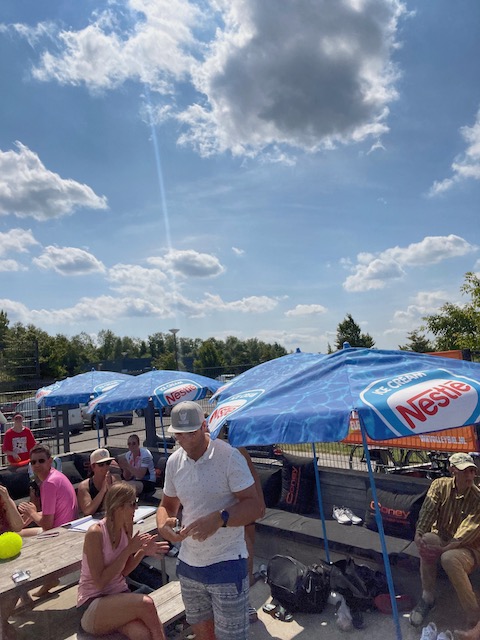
(107, 482)
(167, 531)
(204, 527)
(428, 552)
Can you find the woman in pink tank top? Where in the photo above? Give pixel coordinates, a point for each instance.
(110, 552)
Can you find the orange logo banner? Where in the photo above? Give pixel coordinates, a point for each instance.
(451, 440)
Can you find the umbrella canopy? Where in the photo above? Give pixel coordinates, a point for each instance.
(81, 388)
(305, 398)
(165, 388)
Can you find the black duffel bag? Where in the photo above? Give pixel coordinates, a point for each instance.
(298, 587)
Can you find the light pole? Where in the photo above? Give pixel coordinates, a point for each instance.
(174, 332)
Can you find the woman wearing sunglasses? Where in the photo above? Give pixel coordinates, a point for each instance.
(92, 491)
(110, 552)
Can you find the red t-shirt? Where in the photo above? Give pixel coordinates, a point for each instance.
(19, 442)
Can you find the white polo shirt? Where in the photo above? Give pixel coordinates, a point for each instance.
(204, 486)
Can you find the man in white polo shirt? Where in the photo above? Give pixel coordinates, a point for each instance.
(212, 482)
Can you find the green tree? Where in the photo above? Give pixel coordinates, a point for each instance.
(156, 344)
(4, 322)
(458, 326)
(349, 331)
(28, 353)
(417, 342)
(209, 361)
(107, 344)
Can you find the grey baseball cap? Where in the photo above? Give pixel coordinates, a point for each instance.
(186, 417)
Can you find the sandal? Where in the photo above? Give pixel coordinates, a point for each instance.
(271, 607)
(282, 614)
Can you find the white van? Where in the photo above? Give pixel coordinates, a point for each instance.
(41, 419)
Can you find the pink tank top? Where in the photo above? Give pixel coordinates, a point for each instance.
(86, 587)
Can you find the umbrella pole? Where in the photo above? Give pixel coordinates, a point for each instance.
(97, 424)
(165, 448)
(320, 502)
(381, 532)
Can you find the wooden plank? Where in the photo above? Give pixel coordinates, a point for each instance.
(169, 604)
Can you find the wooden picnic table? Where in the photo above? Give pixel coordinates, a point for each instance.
(48, 558)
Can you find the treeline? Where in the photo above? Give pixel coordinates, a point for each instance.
(27, 352)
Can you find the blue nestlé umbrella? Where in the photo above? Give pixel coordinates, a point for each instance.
(80, 388)
(163, 388)
(308, 399)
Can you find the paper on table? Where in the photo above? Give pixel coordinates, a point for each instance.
(84, 524)
(143, 512)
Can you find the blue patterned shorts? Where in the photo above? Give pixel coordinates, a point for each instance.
(225, 603)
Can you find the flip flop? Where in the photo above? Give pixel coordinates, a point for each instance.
(270, 607)
(282, 614)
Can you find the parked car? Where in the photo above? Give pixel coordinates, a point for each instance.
(41, 419)
(90, 419)
(9, 409)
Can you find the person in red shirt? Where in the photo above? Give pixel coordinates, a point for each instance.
(17, 442)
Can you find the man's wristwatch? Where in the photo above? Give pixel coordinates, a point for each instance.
(225, 516)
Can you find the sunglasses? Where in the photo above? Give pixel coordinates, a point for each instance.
(105, 462)
(39, 461)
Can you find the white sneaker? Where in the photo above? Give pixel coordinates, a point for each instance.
(429, 632)
(354, 519)
(445, 635)
(340, 515)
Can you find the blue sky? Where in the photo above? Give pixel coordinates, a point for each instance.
(257, 168)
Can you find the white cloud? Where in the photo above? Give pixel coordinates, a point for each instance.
(33, 34)
(467, 164)
(153, 49)
(130, 279)
(29, 189)
(251, 304)
(68, 261)
(11, 265)
(311, 76)
(238, 252)
(103, 309)
(306, 310)
(310, 339)
(190, 263)
(109, 309)
(374, 271)
(422, 304)
(16, 241)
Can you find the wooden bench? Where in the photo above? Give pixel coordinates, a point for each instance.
(170, 608)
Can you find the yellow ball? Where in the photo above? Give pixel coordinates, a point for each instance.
(10, 545)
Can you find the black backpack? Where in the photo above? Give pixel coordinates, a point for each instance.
(298, 587)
